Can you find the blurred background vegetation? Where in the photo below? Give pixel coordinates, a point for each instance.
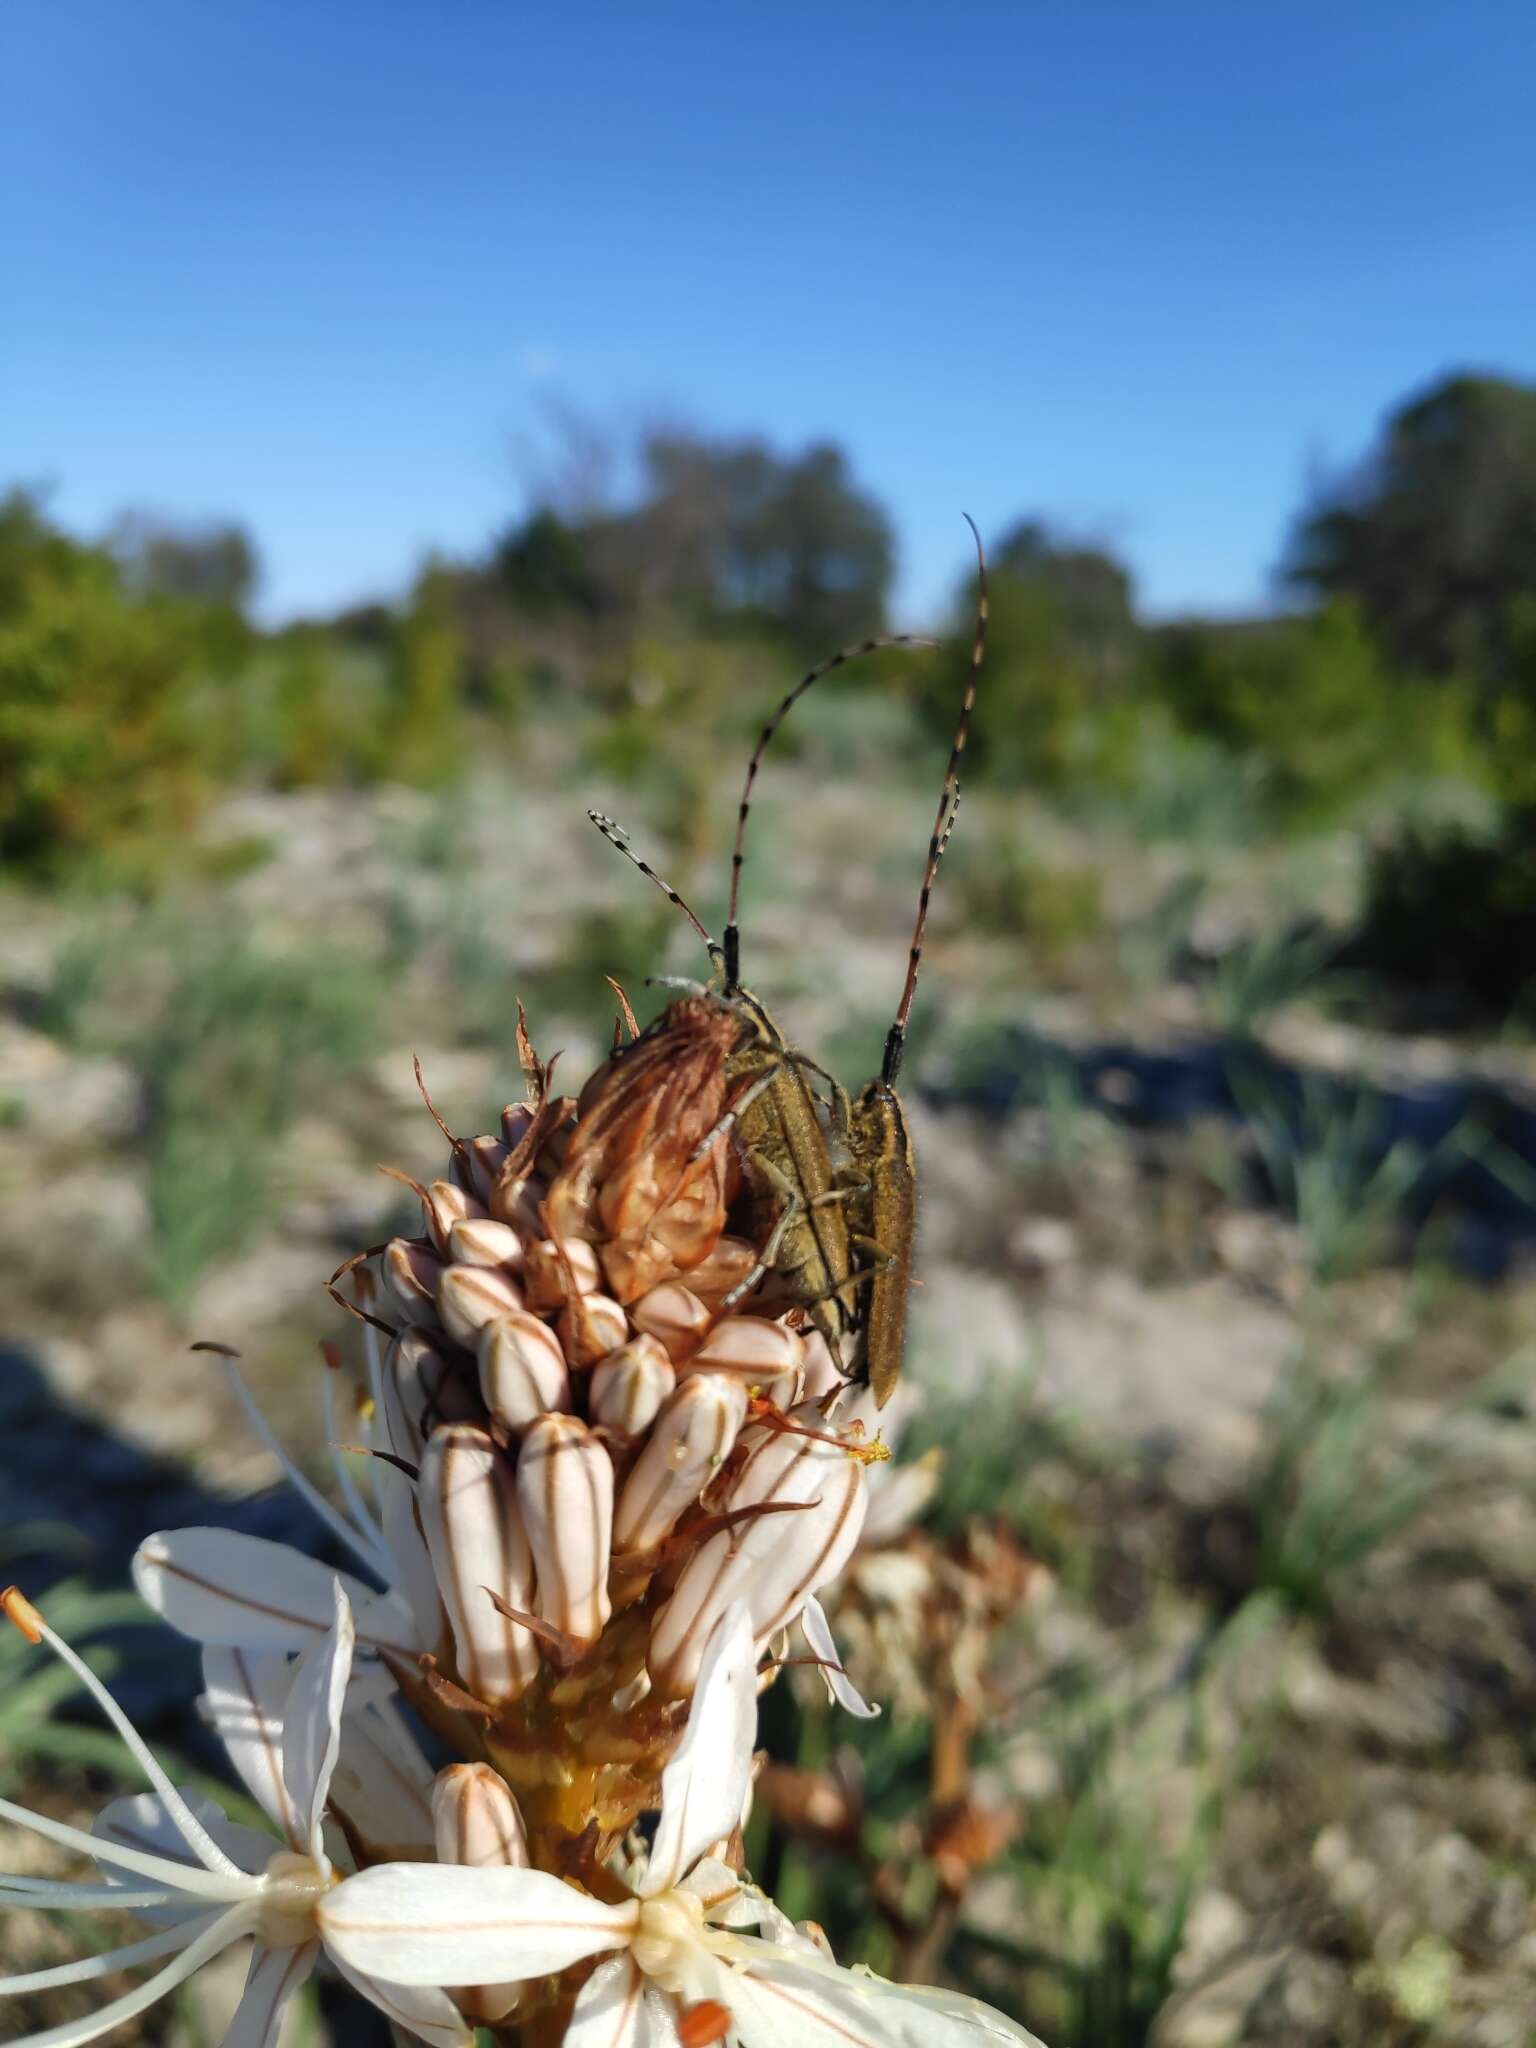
(1224, 1073)
(1393, 686)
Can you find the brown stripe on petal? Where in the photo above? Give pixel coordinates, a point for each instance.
(565, 1490)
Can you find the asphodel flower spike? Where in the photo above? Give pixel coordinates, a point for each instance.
(677, 1943)
(606, 1479)
(205, 1883)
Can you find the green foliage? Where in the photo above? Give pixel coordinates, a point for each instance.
(1335, 1484)
(231, 1037)
(1043, 713)
(1258, 977)
(31, 1689)
(422, 740)
(1006, 891)
(1450, 916)
(1327, 1163)
(1310, 703)
(100, 743)
(1435, 533)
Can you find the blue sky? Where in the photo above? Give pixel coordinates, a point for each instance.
(1137, 267)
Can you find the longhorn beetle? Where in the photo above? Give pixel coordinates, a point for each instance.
(780, 1132)
(880, 1179)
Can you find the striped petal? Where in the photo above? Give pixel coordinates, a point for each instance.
(705, 1785)
(275, 1974)
(433, 1924)
(244, 1695)
(789, 1995)
(822, 1644)
(219, 1586)
(139, 1824)
(312, 1723)
(616, 2008)
(419, 2010)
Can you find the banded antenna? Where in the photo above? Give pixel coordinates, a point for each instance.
(618, 837)
(732, 947)
(944, 821)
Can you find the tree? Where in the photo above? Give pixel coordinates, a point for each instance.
(211, 564)
(729, 528)
(1089, 593)
(1434, 534)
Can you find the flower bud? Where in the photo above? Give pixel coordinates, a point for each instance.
(422, 1387)
(477, 1165)
(444, 1205)
(565, 1492)
(629, 1385)
(413, 1270)
(522, 1370)
(675, 1315)
(821, 1374)
(515, 1120)
(476, 1822)
(756, 1352)
(590, 1327)
(469, 1297)
(546, 1282)
(468, 1499)
(689, 1441)
(773, 1562)
(520, 1202)
(480, 1241)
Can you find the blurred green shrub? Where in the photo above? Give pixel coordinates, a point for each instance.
(1312, 703)
(101, 741)
(1006, 891)
(1450, 915)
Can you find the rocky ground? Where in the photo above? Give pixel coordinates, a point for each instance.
(1213, 1336)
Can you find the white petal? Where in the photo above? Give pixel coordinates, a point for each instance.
(411, 1572)
(219, 1586)
(788, 1995)
(382, 1783)
(435, 1924)
(705, 1784)
(419, 2010)
(312, 1723)
(822, 1644)
(275, 1974)
(618, 2009)
(244, 1695)
(139, 1824)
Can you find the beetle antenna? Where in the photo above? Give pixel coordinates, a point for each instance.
(732, 947)
(617, 836)
(943, 824)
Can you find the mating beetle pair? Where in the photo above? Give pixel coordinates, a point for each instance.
(840, 1178)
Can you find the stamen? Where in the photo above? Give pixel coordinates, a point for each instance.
(45, 1895)
(359, 1546)
(347, 1486)
(20, 1611)
(150, 1950)
(227, 1928)
(184, 1877)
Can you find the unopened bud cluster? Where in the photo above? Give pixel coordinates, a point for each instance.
(614, 1437)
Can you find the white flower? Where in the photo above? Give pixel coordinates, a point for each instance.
(204, 1883)
(219, 1586)
(677, 1944)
